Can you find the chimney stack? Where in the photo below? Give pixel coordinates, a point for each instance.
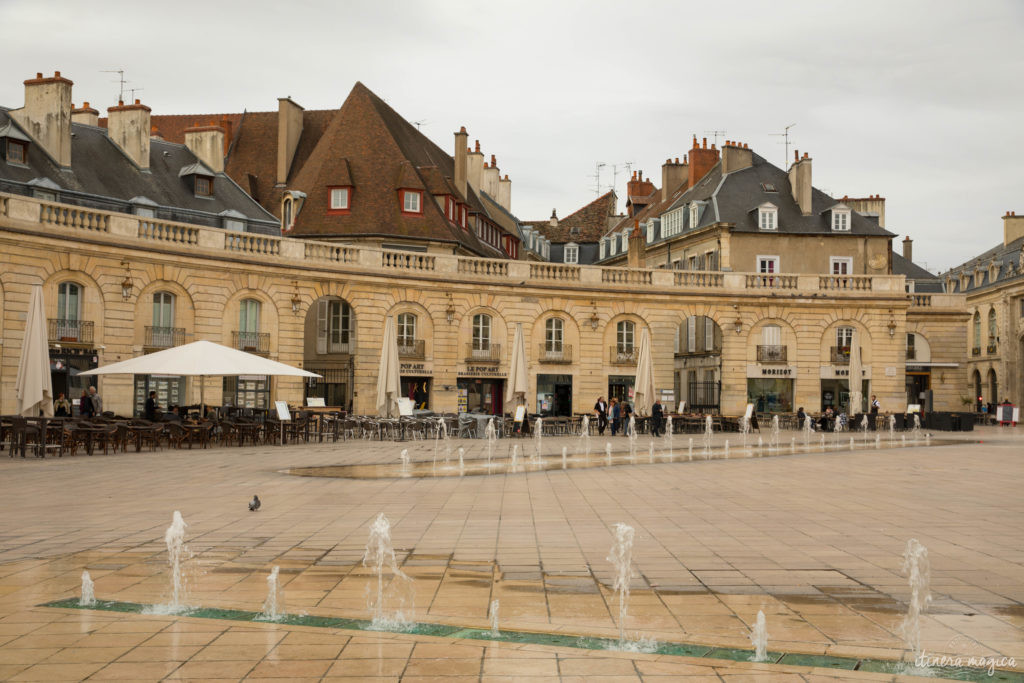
(1013, 227)
(505, 193)
(908, 248)
(553, 221)
(461, 161)
(637, 257)
(475, 167)
(872, 204)
(673, 175)
(128, 126)
(207, 143)
(289, 130)
(800, 181)
(46, 115)
(490, 178)
(735, 157)
(702, 160)
(85, 114)
(225, 123)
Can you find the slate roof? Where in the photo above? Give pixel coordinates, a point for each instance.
(102, 176)
(592, 221)
(924, 281)
(1009, 259)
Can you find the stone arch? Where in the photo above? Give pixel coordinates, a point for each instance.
(786, 342)
(501, 336)
(537, 341)
(918, 348)
(829, 339)
(992, 386)
(976, 382)
(268, 322)
(184, 313)
(92, 307)
(329, 343)
(424, 326)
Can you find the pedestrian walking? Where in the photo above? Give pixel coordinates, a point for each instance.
(614, 412)
(601, 408)
(85, 406)
(97, 401)
(657, 418)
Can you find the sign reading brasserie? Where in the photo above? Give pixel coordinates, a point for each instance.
(482, 371)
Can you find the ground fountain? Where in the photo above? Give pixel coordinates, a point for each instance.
(621, 558)
(462, 461)
(689, 450)
(177, 553)
(760, 446)
(273, 606)
(878, 440)
(650, 452)
(864, 427)
(538, 436)
(822, 443)
(495, 632)
(491, 434)
(669, 437)
(726, 449)
(584, 442)
(745, 429)
(773, 440)
(378, 553)
(808, 430)
(514, 459)
(916, 567)
(852, 444)
(631, 433)
(892, 429)
(915, 431)
(708, 433)
(565, 459)
(759, 639)
(404, 457)
(88, 598)
(607, 453)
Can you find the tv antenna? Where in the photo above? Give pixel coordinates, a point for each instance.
(120, 81)
(419, 123)
(785, 136)
(598, 165)
(132, 92)
(715, 133)
(615, 172)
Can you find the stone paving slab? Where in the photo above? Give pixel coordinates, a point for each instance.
(812, 539)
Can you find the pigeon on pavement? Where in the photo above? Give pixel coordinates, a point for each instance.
(254, 504)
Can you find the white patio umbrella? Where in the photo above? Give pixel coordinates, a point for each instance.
(856, 396)
(389, 386)
(518, 383)
(33, 387)
(201, 359)
(644, 391)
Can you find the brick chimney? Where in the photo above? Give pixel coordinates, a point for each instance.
(461, 161)
(226, 124)
(85, 114)
(873, 204)
(702, 160)
(908, 248)
(505, 193)
(673, 175)
(637, 191)
(46, 115)
(289, 130)
(128, 126)
(800, 181)
(637, 247)
(207, 143)
(553, 221)
(1013, 227)
(490, 178)
(735, 157)
(475, 167)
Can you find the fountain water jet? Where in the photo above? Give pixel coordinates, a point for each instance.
(760, 446)
(773, 440)
(808, 430)
(273, 606)
(607, 453)
(175, 540)
(916, 567)
(915, 431)
(892, 429)
(864, 427)
(537, 438)
(745, 428)
(565, 451)
(631, 433)
(88, 598)
(708, 433)
(727, 448)
(494, 619)
(669, 437)
(689, 451)
(491, 434)
(462, 462)
(650, 452)
(759, 639)
(621, 558)
(514, 461)
(378, 552)
(584, 440)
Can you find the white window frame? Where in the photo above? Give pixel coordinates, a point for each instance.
(604, 250)
(571, 253)
(650, 231)
(249, 316)
(771, 261)
(767, 218)
(840, 220)
(771, 335)
(163, 308)
(844, 336)
(411, 201)
(694, 214)
(481, 332)
(554, 335)
(625, 336)
(69, 301)
(836, 265)
(337, 194)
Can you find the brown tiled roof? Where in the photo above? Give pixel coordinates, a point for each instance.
(172, 126)
(654, 209)
(592, 221)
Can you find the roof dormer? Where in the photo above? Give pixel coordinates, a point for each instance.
(840, 216)
(14, 145)
(767, 216)
(696, 210)
(199, 177)
(291, 204)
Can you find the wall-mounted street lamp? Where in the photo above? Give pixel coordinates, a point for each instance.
(594, 320)
(449, 311)
(126, 284)
(296, 298)
(892, 324)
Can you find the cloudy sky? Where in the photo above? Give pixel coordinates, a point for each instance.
(920, 102)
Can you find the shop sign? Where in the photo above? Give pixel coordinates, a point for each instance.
(842, 372)
(482, 371)
(783, 371)
(414, 368)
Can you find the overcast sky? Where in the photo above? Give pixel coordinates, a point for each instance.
(920, 102)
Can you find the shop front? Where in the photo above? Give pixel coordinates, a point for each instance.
(65, 366)
(770, 388)
(332, 386)
(416, 380)
(247, 391)
(170, 391)
(554, 395)
(835, 389)
(481, 389)
(621, 387)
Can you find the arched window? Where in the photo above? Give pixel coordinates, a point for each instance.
(624, 337)
(162, 333)
(977, 334)
(993, 387)
(406, 329)
(844, 338)
(286, 215)
(553, 334)
(249, 325)
(481, 332)
(69, 301)
(993, 330)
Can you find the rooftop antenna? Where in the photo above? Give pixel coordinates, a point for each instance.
(715, 133)
(132, 92)
(419, 123)
(785, 136)
(615, 172)
(597, 176)
(120, 81)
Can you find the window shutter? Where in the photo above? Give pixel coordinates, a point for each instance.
(321, 326)
(709, 334)
(691, 334)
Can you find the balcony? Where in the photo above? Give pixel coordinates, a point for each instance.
(715, 350)
(622, 355)
(840, 355)
(252, 342)
(770, 353)
(70, 331)
(411, 348)
(163, 337)
(991, 349)
(343, 347)
(489, 354)
(976, 351)
(561, 353)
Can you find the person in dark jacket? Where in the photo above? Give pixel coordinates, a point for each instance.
(626, 412)
(149, 412)
(614, 412)
(85, 407)
(601, 408)
(657, 418)
(62, 407)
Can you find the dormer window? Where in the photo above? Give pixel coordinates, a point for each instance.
(650, 231)
(291, 204)
(694, 214)
(339, 199)
(201, 178)
(767, 217)
(204, 186)
(233, 221)
(571, 253)
(16, 151)
(412, 201)
(462, 217)
(840, 219)
(44, 188)
(13, 145)
(603, 247)
(143, 207)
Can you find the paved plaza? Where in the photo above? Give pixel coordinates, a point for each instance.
(812, 539)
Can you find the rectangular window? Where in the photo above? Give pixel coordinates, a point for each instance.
(204, 186)
(339, 198)
(15, 152)
(709, 334)
(572, 253)
(844, 337)
(767, 264)
(411, 201)
(841, 221)
(840, 265)
(767, 220)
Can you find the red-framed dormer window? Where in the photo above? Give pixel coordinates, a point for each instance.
(411, 201)
(339, 199)
(462, 217)
(449, 207)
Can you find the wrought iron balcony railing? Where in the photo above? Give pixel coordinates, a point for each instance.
(622, 355)
(163, 337)
(479, 353)
(253, 342)
(411, 348)
(554, 353)
(840, 355)
(70, 331)
(771, 353)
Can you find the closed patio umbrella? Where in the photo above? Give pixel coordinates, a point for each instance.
(518, 384)
(644, 391)
(33, 387)
(388, 383)
(856, 395)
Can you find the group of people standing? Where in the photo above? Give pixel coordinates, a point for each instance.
(616, 415)
(90, 404)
